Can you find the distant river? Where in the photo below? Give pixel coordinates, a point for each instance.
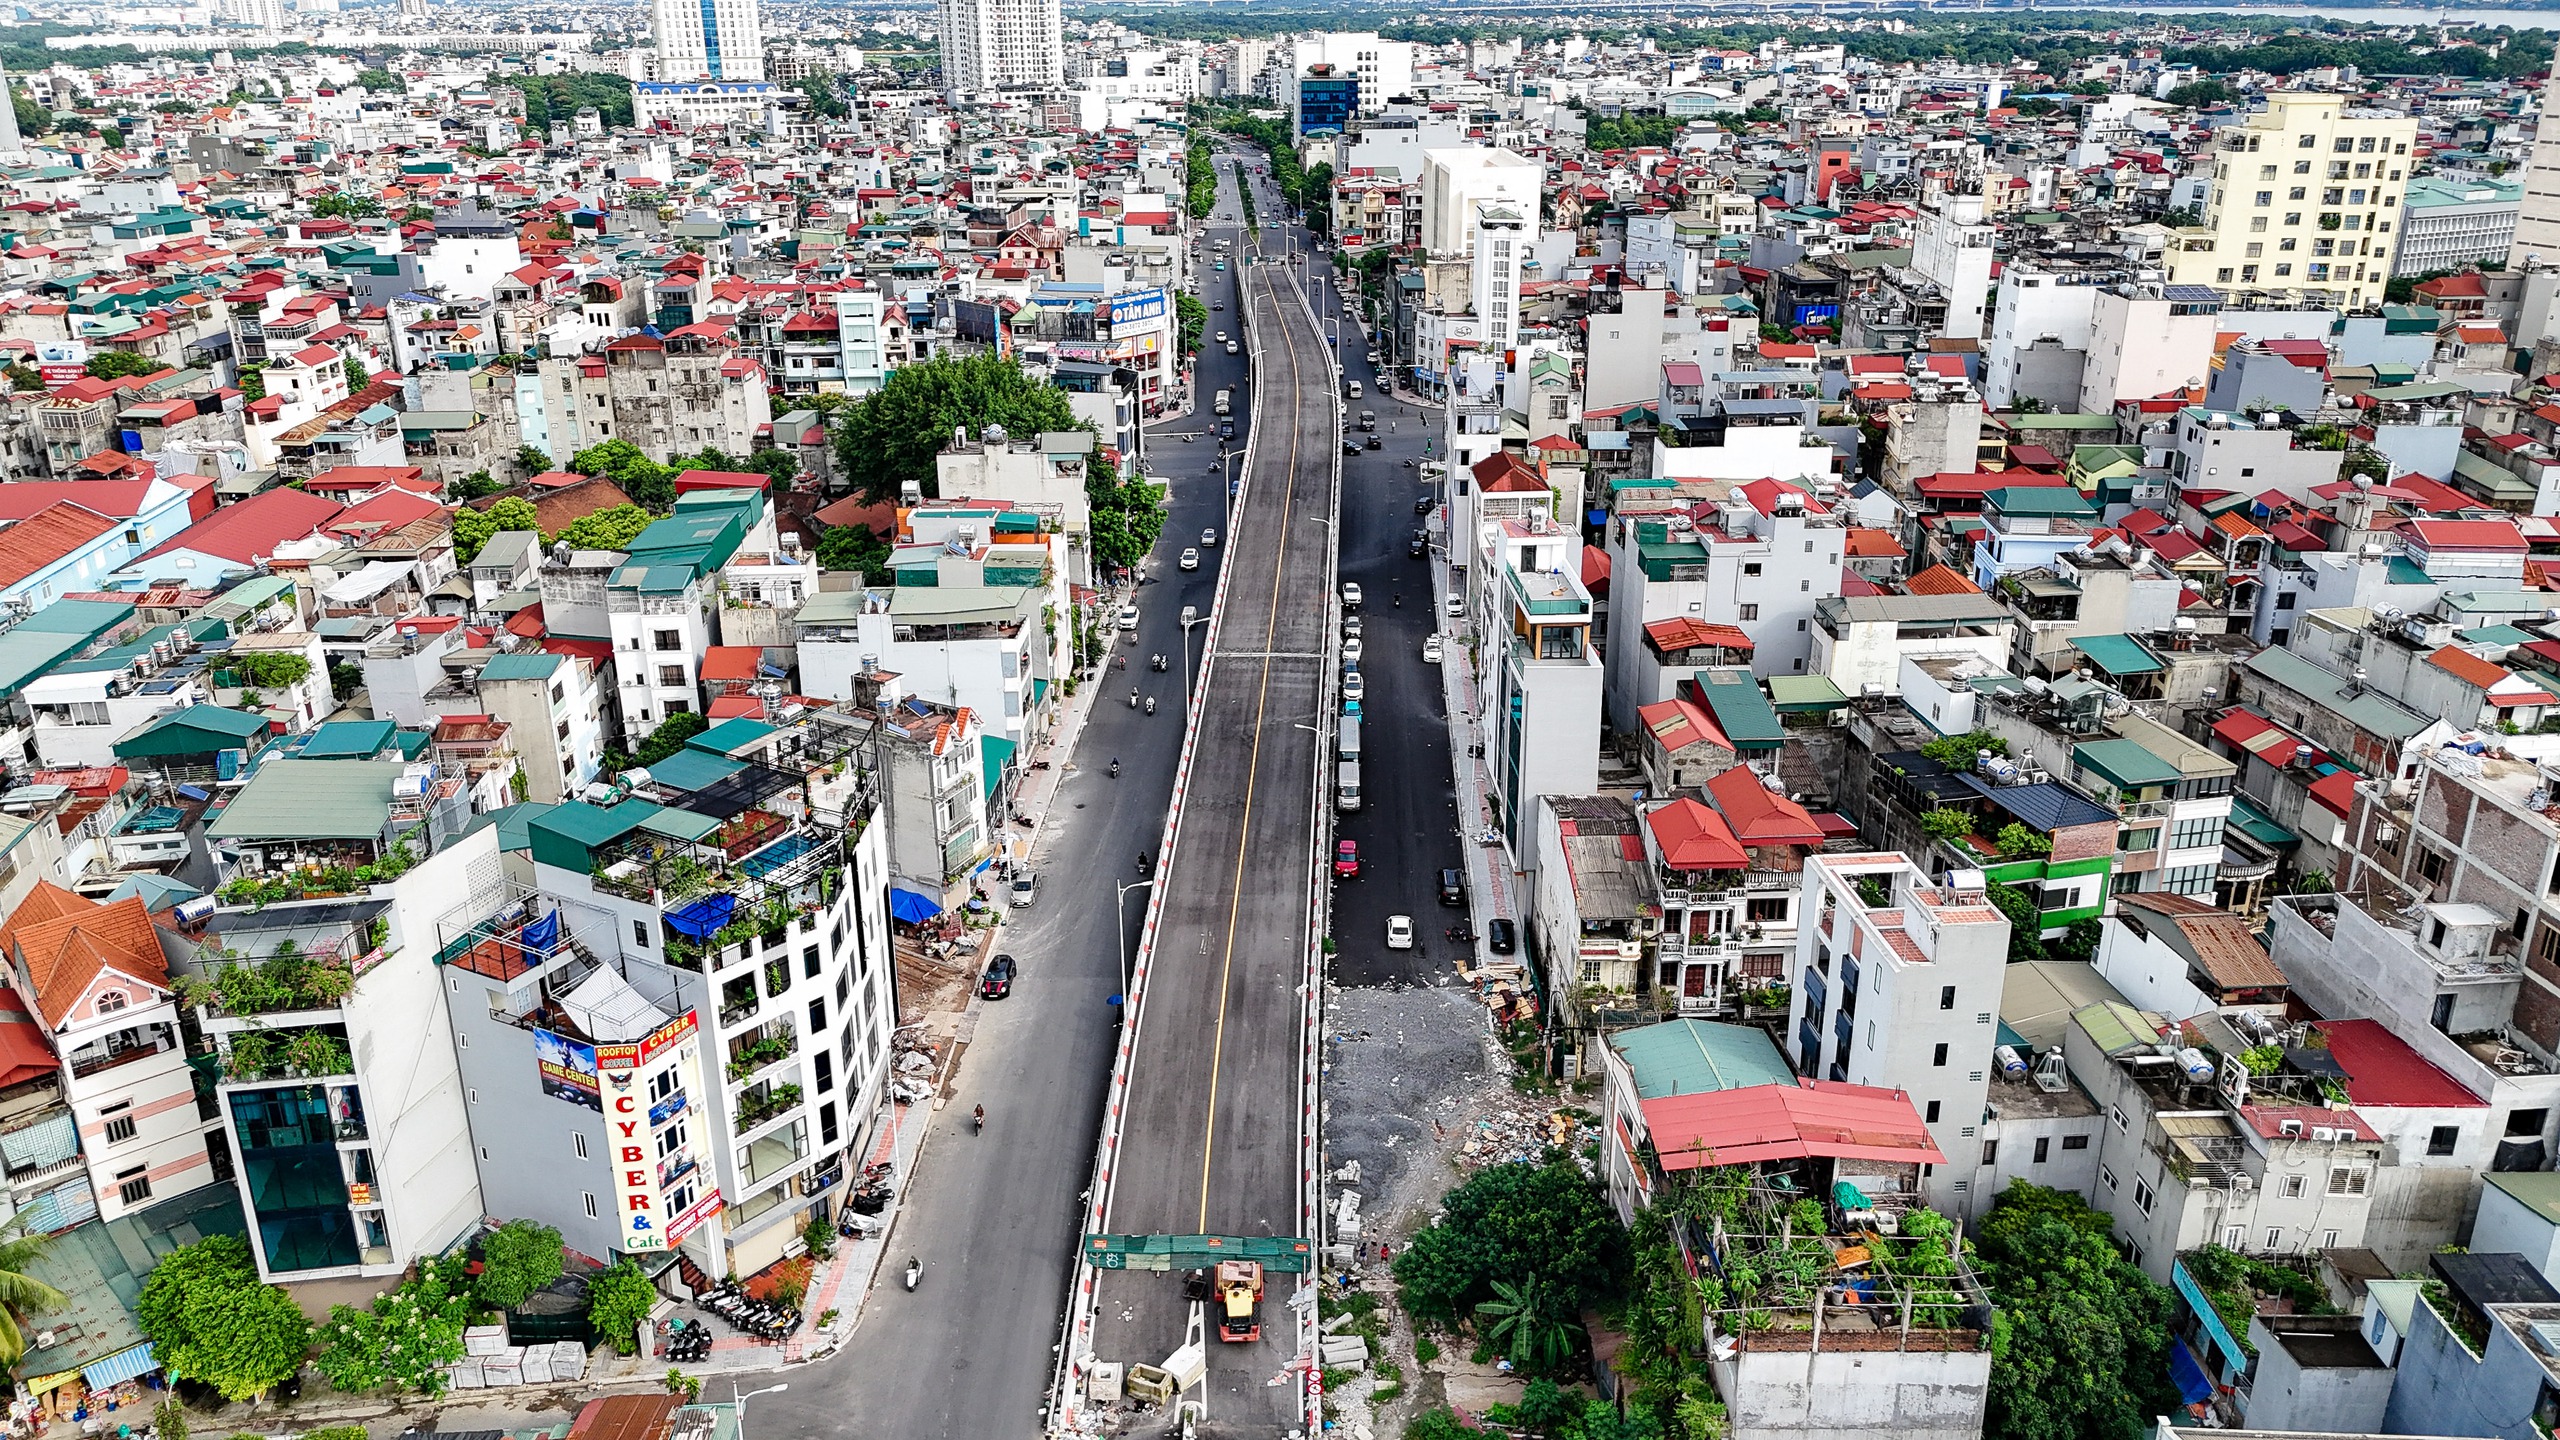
(2369, 15)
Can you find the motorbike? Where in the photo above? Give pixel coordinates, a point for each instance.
(1115, 769)
(1460, 934)
(1159, 664)
(1133, 699)
(1151, 704)
(915, 1272)
(978, 1119)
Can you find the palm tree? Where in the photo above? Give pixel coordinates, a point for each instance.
(1522, 1323)
(19, 1291)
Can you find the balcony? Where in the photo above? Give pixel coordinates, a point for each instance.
(99, 1059)
(751, 1054)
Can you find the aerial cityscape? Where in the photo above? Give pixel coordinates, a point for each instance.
(595, 598)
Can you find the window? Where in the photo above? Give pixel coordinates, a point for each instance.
(2191, 834)
(2074, 1142)
(2266, 197)
(588, 1196)
(2235, 1237)
(2285, 600)
(2106, 1177)
(1930, 1116)
(2275, 1238)
(2348, 1179)
(1938, 1055)
(1768, 911)
(1946, 997)
(120, 1124)
(671, 676)
(1990, 1152)
(1750, 612)
(2293, 1187)
(2116, 1113)
(1750, 569)
(2328, 1239)
(667, 640)
(2044, 1148)
(2142, 1197)
(578, 1142)
(2431, 865)
(134, 1186)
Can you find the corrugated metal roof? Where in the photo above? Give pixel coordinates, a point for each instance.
(1695, 1057)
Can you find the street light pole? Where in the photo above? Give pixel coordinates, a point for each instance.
(1120, 924)
(1186, 659)
(739, 1402)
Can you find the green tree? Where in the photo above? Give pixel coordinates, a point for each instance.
(2081, 1349)
(20, 1292)
(2196, 94)
(339, 205)
(478, 485)
(1523, 1322)
(650, 485)
(209, 1320)
(670, 736)
(357, 376)
(618, 1299)
(531, 461)
(1961, 752)
(857, 548)
(1127, 516)
(826, 96)
(253, 381)
(1509, 1222)
(2026, 922)
(1947, 825)
(381, 81)
(1195, 321)
(518, 1258)
(2015, 841)
(892, 436)
(472, 528)
(33, 119)
(405, 1340)
(608, 529)
(117, 364)
(23, 377)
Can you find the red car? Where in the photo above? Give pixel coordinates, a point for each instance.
(1346, 860)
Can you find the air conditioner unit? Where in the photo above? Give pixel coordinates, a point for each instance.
(2290, 1128)
(2242, 1184)
(2324, 1134)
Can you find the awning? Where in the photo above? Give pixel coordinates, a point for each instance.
(55, 1381)
(2193, 1385)
(361, 587)
(909, 906)
(993, 752)
(702, 917)
(122, 1366)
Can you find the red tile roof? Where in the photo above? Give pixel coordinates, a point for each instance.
(1684, 633)
(66, 942)
(2463, 665)
(1691, 836)
(51, 535)
(1760, 815)
(1940, 580)
(251, 529)
(1780, 1122)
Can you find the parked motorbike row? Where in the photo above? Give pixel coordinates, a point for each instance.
(688, 1343)
(760, 1318)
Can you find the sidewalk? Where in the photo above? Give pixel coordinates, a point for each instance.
(1489, 873)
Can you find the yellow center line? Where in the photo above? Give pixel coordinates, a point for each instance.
(1253, 764)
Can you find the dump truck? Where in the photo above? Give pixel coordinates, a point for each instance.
(1239, 1290)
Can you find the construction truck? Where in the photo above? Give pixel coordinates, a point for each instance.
(1239, 1289)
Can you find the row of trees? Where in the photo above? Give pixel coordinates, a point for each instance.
(212, 1322)
(651, 486)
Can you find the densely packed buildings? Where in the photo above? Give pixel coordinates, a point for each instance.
(2150, 786)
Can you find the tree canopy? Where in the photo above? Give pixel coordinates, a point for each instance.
(517, 1259)
(650, 485)
(1127, 515)
(609, 529)
(210, 1320)
(892, 436)
(117, 364)
(2081, 1348)
(1511, 1222)
(340, 205)
(472, 528)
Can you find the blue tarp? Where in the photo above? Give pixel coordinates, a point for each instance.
(703, 917)
(911, 907)
(543, 935)
(2187, 1375)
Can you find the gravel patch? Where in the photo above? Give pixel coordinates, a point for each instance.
(1408, 1070)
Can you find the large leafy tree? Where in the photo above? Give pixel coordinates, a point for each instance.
(472, 528)
(518, 1258)
(405, 1340)
(1127, 515)
(618, 1299)
(1509, 1222)
(2081, 1349)
(210, 1320)
(858, 548)
(117, 364)
(609, 529)
(650, 485)
(893, 435)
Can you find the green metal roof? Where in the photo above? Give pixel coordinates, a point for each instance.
(521, 665)
(196, 730)
(2496, 635)
(2039, 500)
(1805, 694)
(2536, 1190)
(693, 770)
(43, 640)
(679, 824)
(571, 833)
(2260, 826)
(2116, 1027)
(1697, 1057)
(1741, 711)
(2125, 764)
(310, 800)
(2119, 654)
(349, 740)
(730, 736)
(2369, 710)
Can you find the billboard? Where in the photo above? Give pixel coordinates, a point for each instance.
(640, 1181)
(61, 361)
(568, 1069)
(1130, 307)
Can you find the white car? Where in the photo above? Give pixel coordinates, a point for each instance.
(1128, 617)
(1353, 689)
(1432, 650)
(1190, 559)
(1351, 651)
(1351, 625)
(1231, 347)
(1208, 539)
(1399, 932)
(1350, 595)
(1456, 605)
(1026, 888)
(1222, 337)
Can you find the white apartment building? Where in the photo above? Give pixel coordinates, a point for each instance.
(2041, 326)
(1539, 672)
(1758, 558)
(1002, 45)
(1952, 248)
(1458, 183)
(2304, 202)
(2146, 340)
(708, 39)
(1904, 994)
(1384, 67)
